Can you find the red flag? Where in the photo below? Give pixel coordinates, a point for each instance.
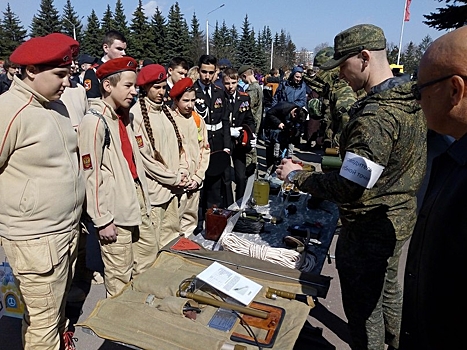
(407, 10)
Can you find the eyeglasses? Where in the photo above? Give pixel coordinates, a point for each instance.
(417, 89)
(211, 72)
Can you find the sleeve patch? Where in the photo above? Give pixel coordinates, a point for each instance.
(87, 84)
(139, 141)
(87, 164)
(360, 170)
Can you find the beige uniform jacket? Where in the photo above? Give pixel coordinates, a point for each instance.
(195, 143)
(161, 178)
(41, 184)
(110, 187)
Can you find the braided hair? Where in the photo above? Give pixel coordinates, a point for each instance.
(177, 132)
(147, 125)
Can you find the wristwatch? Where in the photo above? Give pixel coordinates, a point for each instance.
(291, 176)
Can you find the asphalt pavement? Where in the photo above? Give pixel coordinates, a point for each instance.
(328, 315)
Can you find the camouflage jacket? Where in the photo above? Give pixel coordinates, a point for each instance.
(337, 97)
(256, 96)
(388, 128)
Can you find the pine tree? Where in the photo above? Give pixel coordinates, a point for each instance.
(120, 22)
(234, 45)
(70, 18)
(392, 52)
(141, 41)
(247, 44)
(12, 33)
(410, 58)
(92, 40)
(450, 17)
(222, 43)
(262, 54)
(197, 46)
(107, 22)
(177, 34)
(159, 35)
(46, 21)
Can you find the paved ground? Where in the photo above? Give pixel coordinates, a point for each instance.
(328, 314)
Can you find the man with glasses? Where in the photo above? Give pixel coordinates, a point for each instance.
(383, 148)
(211, 105)
(434, 295)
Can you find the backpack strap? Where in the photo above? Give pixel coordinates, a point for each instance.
(106, 128)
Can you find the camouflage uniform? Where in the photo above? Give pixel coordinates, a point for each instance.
(256, 96)
(337, 97)
(388, 128)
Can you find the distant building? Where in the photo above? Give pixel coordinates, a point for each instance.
(304, 57)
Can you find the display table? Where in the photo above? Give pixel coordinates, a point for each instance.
(133, 318)
(324, 218)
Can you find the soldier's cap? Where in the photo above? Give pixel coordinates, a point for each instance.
(46, 50)
(323, 56)
(116, 65)
(180, 87)
(85, 58)
(243, 69)
(152, 73)
(353, 40)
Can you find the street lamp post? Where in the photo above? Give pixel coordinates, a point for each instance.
(74, 27)
(207, 28)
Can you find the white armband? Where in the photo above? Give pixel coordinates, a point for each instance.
(360, 170)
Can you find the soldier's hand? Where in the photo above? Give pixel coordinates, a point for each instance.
(287, 165)
(108, 234)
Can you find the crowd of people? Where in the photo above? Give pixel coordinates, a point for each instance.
(134, 154)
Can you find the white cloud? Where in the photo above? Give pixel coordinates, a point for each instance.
(150, 8)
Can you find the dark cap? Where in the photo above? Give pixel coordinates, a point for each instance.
(353, 40)
(85, 58)
(152, 73)
(116, 65)
(243, 69)
(224, 62)
(180, 87)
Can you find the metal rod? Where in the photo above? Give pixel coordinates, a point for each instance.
(223, 304)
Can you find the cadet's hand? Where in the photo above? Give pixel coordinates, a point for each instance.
(108, 234)
(193, 185)
(287, 165)
(253, 141)
(235, 132)
(281, 126)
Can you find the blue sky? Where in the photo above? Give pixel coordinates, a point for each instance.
(309, 22)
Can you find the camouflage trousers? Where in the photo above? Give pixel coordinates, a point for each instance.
(371, 293)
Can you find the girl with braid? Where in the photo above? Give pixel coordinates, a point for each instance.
(195, 143)
(161, 147)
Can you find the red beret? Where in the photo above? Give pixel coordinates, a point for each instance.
(180, 87)
(59, 37)
(116, 65)
(44, 50)
(152, 73)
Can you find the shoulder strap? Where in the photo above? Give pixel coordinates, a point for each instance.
(106, 127)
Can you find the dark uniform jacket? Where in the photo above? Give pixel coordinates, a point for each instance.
(5, 83)
(240, 111)
(90, 81)
(434, 281)
(388, 128)
(215, 112)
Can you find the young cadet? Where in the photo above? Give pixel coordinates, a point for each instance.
(161, 148)
(176, 70)
(196, 151)
(211, 105)
(42, 188)
(114, 46)
(116, 187)
(242, 127)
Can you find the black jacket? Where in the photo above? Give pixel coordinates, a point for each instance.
(214, 110)
(5, 83)
(434, 280)
(91, 83)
